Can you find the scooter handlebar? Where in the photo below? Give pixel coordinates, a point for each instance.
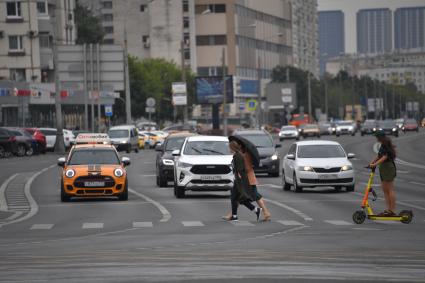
(373, 169)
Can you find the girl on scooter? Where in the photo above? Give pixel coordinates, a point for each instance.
(387, 170)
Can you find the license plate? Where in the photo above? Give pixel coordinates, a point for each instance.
(210, 178)
(328, 176)
(94, 184)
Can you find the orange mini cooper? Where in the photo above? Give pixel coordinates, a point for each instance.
(93, 170)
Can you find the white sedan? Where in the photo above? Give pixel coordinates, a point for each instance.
(289, 132)
(317, 164)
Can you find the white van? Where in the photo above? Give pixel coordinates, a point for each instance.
(124, 137)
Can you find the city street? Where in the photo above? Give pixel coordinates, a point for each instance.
(155, 237)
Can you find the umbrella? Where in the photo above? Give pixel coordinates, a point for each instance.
(249, 146)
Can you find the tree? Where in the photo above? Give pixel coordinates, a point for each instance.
(89, 27)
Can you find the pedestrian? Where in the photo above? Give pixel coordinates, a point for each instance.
(241, 192)
(387, 170)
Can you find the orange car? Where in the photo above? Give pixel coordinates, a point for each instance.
(93, 170)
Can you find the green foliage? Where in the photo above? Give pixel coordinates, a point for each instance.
(153, 78)
(89, 27)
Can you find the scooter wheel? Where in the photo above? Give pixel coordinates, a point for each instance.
(359, 216)
(406, 216)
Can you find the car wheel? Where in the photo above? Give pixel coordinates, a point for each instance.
(298, 138)
(136, 150)
(157, 180)
(274, 174)
(362, 134)
(124, 194)
(128, 149)
(318, 136)
(396, 135)
(285, 185)
(21, 150)
(29, 152)
(2, 152)
(179, 191)
(350, 188)
(297, 188)
(162, 181)
(280, 140)
(64, 196)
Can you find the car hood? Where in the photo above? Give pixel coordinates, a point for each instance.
(288, 132)
(168, 155)
(207, 159)
(323, 162)
(266, 151)
(84, 170)
(118, 140)
(345, 126)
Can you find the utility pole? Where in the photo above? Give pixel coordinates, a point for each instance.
(394, 116)
(185, 112)
(223, 66)
(59, 143)
(92, 86)
(352, 100)
(326, 96)
(259, 100)
(375, 104)
(309, 94)
(86, 109)
(366, 97)
(127, 80)
(99, 114)
(340, 96)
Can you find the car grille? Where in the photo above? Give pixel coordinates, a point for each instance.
(210, 181)
(327, 170)
(94, 191)
(333, 181)
(210, 169)
(109, 181)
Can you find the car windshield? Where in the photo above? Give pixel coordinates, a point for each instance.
(320, 151)
(325, 125)
(113, 134)
(345, 123)
(288, 128)
(387, 124)
(207, 148)
(311, 127)
(259, 140)
(174, 143)
(411, 121)
(369, 124)
(93, 156)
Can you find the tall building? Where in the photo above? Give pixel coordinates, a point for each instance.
(374, 32)
(409, 28)
(305, 35)
(26, 36)
(331, 36)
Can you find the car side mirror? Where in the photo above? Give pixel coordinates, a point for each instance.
(158, 147)
(351, 155)
(278, 145)
(290, 156)
(175, 152)
(125, 161)
(61, 162)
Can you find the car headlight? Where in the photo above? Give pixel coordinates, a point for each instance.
(394, 129)
(70, 173)
(274, 157)
(168, 162)
(350, 128)
(374, 129)
(306, 168)
(346, 168)
(184, 165)
(118, 172)
(123, 141)
(333, 129)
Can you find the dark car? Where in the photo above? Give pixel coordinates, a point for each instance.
(410, 125)
(8, 144)
(368, 127)
(165, 160)
(26, 144)
(269, 157)
(40, 138)
(389, 127)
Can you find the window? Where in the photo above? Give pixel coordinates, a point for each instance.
(143, 8)
(108, 30)
(42, 8)
(108, 41)
(211, 40)
(186, 22)
(45, 40)
(218, 8)
(17, 75)
(185, 6)
(146, 41)
(108, 17)
(13, 9)
(15, 43)
(107, 5)
(187, 54)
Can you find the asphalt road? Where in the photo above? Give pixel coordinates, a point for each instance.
(156, 237)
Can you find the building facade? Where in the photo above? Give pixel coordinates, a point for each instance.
(305, 42)
(374, 32)
(409, 28)
(331, 36)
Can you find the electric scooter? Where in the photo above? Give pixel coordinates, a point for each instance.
(360, 216)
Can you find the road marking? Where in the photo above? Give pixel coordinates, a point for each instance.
(41, 227)
(417, 183)
(166, 215)
(296, 211)
(92, 226)
(192, 223)
(290, 222)
(339, 222)
(142, 224)
(241, 223)
(270, 185)
(398, 202)
(147, 175)
(367, 229)
(3, 202)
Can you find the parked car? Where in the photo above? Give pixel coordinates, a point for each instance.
(269, 157)
(40, 139)
(180, 128)
(50, 134)
(26, 144)
(410, 125)
(311, 164)
(368, 127)
(8, 143)
(311, 130)
(288, 132)
(345, 128)
(389, 127)
(124, 137)
(325, 128)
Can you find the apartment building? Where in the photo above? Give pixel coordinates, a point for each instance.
(26, 37)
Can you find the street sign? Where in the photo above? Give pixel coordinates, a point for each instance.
(286, 91)
(251, 104)
(287, 99)
(241, 105)
(150, 109)
(178, 87)
(179, 99)
(150, 102)
(108, 110)
(179, 93)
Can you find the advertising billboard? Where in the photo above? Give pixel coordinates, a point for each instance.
(209, 90)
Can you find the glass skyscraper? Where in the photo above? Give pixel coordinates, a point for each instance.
(409, 28)
(374, 31)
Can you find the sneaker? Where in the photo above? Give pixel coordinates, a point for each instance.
(258, 212)
(233, 218)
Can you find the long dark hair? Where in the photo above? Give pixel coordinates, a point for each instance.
(386, 141)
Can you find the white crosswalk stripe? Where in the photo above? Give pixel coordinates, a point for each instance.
(41, 226)
(192, 223)
(142, 224)
(92, 226)
(290, 222)
(339, 222)
(241, 223)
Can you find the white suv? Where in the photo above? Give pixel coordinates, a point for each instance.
(317, 164)
(203, 164)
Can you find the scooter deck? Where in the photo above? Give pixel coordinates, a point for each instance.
(388, 218)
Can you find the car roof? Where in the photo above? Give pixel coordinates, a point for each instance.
(250, 132)
(181, 134)
(122, 127)
(208, 138)
(94, 146)
(316, 142)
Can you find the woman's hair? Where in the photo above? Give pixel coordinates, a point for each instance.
(386, 141)
(234, 145)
